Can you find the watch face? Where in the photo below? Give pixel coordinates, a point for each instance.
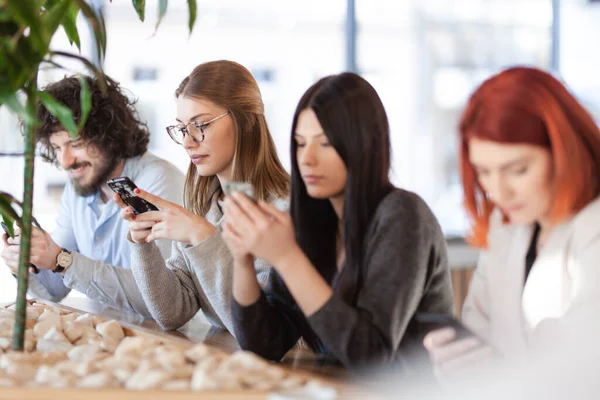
(64, 259)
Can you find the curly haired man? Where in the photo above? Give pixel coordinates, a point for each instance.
(88, 250)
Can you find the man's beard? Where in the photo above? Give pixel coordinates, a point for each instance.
(105, 169)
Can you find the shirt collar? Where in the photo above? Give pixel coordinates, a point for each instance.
(92, 198)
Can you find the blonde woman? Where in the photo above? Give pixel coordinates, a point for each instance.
(222, 127)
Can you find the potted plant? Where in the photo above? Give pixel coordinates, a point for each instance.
(26, 30)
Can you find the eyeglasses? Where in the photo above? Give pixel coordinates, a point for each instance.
(195, 129)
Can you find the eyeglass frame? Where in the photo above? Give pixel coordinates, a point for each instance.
(199, 125)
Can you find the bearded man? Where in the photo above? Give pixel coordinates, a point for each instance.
(88, 250)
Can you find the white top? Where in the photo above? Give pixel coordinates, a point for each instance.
(561, 298)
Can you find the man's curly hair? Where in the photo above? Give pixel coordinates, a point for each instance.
(113, 125)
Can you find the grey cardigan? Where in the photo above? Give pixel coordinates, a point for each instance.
(405, 271)
(194, 277)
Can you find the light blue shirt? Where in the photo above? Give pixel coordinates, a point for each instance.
(97, 239)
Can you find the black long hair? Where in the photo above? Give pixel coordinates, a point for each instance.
(354, 120)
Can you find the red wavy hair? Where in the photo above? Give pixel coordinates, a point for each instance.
(529, 106)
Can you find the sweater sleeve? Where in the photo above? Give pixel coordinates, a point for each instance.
(405, 270)
(111, 285)
(272, 325)
(193, 278)
(168, 290)
(213, 267)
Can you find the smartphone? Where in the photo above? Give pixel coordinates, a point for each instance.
(243, 187)
(125, 187)
(6, 230)
(36, 270)
(432, 321)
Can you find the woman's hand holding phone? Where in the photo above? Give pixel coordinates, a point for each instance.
(139, 231)
(259, 228)
(171, 222)
(450, 356)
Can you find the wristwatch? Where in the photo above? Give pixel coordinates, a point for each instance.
(63, 261)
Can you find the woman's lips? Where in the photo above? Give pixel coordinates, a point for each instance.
(198, 159)
(312, 179)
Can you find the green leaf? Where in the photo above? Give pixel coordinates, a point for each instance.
(192, 8)
(28, 13)
(162, 10)
(12, 101)
(18, 57)
(60, 111)
(96, 22)
(50, 3)
(69, 24)
(12, 213)
(140, 8)
(5, 16)
(24, 12)
(54, 64)
(86, 102)
(6, 210)
(53, 18)
(9, 223)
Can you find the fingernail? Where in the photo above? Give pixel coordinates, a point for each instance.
(136, 191)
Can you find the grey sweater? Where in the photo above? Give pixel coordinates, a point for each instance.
(405, 271)
(194, 277)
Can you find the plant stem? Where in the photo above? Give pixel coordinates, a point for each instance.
(23, 273)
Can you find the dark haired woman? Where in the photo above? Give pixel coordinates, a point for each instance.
(357, 259)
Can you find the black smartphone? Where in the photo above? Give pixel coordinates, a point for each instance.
(36, 270)
(6, 230)
(125, 187)
(432, 321)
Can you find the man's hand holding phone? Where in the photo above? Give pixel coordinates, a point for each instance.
(170, 221)
(43, 252)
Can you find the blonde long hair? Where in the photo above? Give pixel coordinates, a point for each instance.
(231, 86)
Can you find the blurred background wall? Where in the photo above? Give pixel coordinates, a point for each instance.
(424, 57)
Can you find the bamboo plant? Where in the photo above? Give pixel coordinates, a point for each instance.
(26, 31)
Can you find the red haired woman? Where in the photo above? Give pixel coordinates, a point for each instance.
(530, 165)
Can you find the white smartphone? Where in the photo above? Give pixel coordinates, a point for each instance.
(243, 187)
